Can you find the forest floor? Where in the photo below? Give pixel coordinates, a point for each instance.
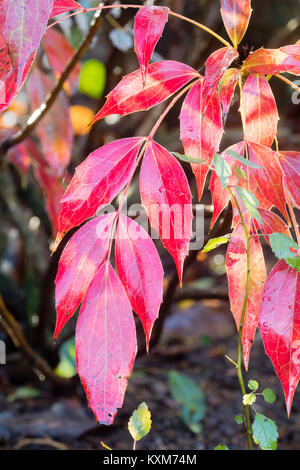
(195, 341)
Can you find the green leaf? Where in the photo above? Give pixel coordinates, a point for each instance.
(186, 158)
(239, 419)
(67, 364)
(250, 202)
(215, 243)
(265, 432)
(92, 78)
(186, 392)
(239, 173)
(222, 168)
(253, 385)
(241, 159)
(139, 424)
(269, 395)
(221, 447)
(285, 248)
(23, 393)
(249, 399)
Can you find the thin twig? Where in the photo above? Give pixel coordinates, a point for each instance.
(13, 329)
(39, 113)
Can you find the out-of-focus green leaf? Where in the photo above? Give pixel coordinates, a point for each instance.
(241, 159)
(92, 78)
(67, 364)
(250, 202)
(222, 168)
(186, 392)
(269, 395)
(186, 158)
(22, 393)
(253, 385)
(221, 447)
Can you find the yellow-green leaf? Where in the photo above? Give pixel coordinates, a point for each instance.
(140, 422)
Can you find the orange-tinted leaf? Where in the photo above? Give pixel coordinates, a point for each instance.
(130, 95)
(200, 134)
(236, 15)
(55, 129)
(79, 262)
(215, 67)
(279, 324)
(149, 24)
(259, 111)
(236, 265)
(226, 88)
(105, 344)
(97, 181)
(271, 61)
(290, 164)
(166, 196)
(140, 271)
(220, 195)
(81, 117)
(59, 52)
(269, 177)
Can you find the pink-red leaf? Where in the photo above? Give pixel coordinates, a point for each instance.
(105, 344)
(79, 262)
(290, 164)
(220, 195)
(215, 67)
(279, 324)
(59, 52)
(166, 196)
(226, 88)
(271, 223)
(200, 134)
(61, 6)
(140, 270)
(55, 131)
(149, 24)
(269, 177)
(22, 25)
(236, 15)
(236, 265)
(129, 96)
(259, 111)
(97, 181)
(272, 61)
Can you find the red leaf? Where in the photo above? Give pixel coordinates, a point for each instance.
(200, 134)
(59, 52)
(290, 164)
(166, 196)
(271, 223)
(259, 111)
(140, 270)
(226, 88)
(279, 324)
(97, 181)
(149, 24)
(271, 61)
(269, 177)
(22, 28)
(79, 262)
(236, 15)
(215, 67)
(221, 196)
(61, 6)
(55, 131)
(105, 344)
(129, 96)
(236, 265)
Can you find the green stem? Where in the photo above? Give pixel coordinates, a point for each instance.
(246, 298)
